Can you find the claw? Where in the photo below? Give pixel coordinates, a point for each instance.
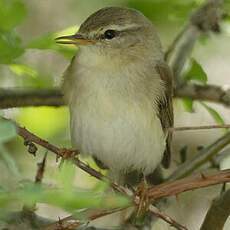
(142, 193)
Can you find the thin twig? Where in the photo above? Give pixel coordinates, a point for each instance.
(156, 212)
(28, 136)
(202, 127)
(157, 192)
(172, 188)
(92, 215)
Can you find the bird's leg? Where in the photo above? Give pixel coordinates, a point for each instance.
(142, 193)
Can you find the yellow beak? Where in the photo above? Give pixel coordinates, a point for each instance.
(76, 39)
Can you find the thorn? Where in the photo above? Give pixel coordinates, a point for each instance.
(203, 176)
(57, 158)
(41, 169)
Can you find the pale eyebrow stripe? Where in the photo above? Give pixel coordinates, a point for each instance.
(121, 27)
(118, 28)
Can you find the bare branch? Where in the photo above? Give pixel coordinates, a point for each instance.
(71, 221)
(10, 98)
(172, 188)
(157, 192)
(202, 127)
(28, 136)
(218, 213)
(156, 212)
(210, 93)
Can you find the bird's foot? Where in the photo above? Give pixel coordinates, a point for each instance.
(67, 153)
(142, 194)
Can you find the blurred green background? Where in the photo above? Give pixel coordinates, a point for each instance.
(29, 58)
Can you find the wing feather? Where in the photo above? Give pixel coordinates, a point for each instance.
(166, 109)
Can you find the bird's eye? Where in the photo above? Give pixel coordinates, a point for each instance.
(109, 34)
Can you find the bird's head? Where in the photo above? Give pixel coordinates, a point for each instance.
(114, 29)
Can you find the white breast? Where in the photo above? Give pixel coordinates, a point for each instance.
(113, 115)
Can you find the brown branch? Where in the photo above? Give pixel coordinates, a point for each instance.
(18, 220)
(73, 222)
(219, 144)
(93, 215)
(201, 157)
(173, 188)
(10, 98)
(30, 137)
(157, 192)
(218, 213)
(156, 212)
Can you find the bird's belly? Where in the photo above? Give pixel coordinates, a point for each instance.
(123, 135)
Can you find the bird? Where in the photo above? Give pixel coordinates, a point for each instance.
(119, 91)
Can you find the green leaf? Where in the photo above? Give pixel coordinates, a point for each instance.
(7, 131)
(76, 198)
(10, 46)
(188, 104)
(12, 12)
(215, 115)
(196, 73)
(23, 70)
